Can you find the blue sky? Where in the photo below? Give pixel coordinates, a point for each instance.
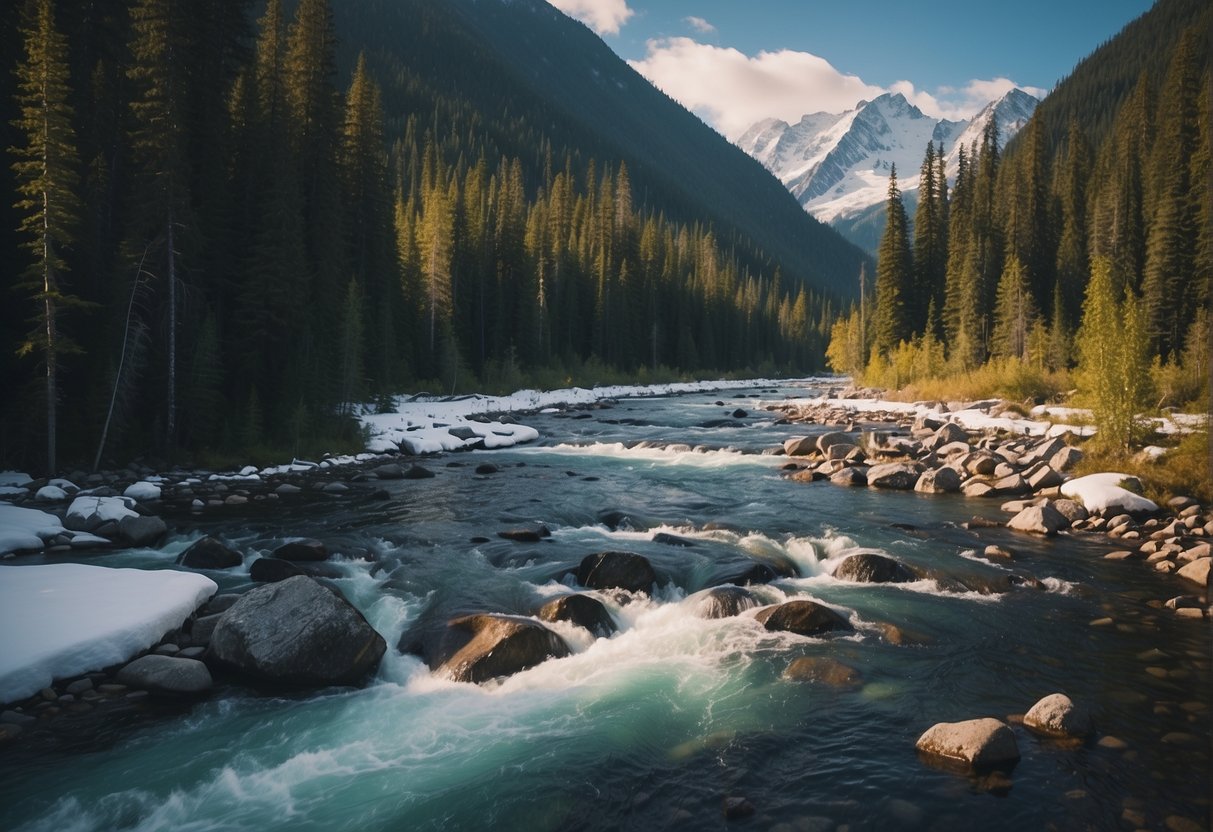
(729, 60)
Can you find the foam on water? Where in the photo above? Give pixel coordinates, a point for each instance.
(667, 455)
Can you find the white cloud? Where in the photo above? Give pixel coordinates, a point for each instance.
(731, 90)
(603, 16)
(699, 24)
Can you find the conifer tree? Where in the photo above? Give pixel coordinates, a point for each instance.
(1073, 264)
(894, 275)
(930, 238)
(46, 193)
(1014, 313)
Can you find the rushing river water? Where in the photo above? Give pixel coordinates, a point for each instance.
(652, 728)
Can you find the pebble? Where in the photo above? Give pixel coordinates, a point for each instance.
(1114, 743)
(1182, 740)
(79, 686)
(1101, 622)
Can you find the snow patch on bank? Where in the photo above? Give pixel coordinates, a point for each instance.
(26, 529)
(61, 620)
(1101, 492)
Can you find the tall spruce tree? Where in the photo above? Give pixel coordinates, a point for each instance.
(1014, 311)
(894, 275)
(47, 198)
(930, 238)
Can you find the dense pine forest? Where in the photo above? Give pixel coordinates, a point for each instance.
(1087, 247)
(223, 239)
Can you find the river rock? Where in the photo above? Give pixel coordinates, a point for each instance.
(502, 646)
(210, 553)
(616, 570)
(724, 601)
(827, 440)
(1197, 571)
(896, 475)
(581, 610)
(943, 480)
(416, 472)
(1072, 510)
(870, 568)
(803, 617)
(1065, 459)
(980, 463)
(166, 674)
(272, 570)
(1042, 476)
(389, 471)
(977, 488)
(763, 572)
(1010, 484)
(301, 550)
(850, 477)
(1044, 520)
(526, 534)
(799, 446)
(142, 531)
(824, 670)
(977, 743)
(1057, 716)
(950, 432)
(297, 633)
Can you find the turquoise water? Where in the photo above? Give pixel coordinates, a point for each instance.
(651, 728)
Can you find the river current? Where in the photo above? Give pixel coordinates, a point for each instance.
(653, 727)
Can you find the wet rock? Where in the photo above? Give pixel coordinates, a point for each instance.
(667, 539)
(297, 633)
(739, 414)
(617, 520)
(388, 471)
(526, 534)
(824, 670)
(142, 531)
(894, 475)
(581, 610)
(871, 568)
(210, 553)
(287, 489)
(203, 628)
(502, 645)
(850, 477)
(166, 674)
(803, 617)
(1197, 571)
(486, 468)
(416, 472)
(301, 550)
(1056, 715)
(616, 570)
(938, 481)
(800, 446)
(724, 601)
(734, 808)
(335, 488)
(975, 743)
(272, 570)
(1038, 520)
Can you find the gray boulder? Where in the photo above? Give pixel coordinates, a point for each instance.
(976, 743)
(1057, 716)
(297, 633)
(1072, 510)
(803, 617)
(828, 440)
(1065, 459)
(166, 674)
(502, 645)
(389, 471)
(850, 477)
(724, 601)
(272, 570)
(142, 531)
(896, 475)
(1044, 520)
(870, 568)
(950, 432)
(581, 610)
(616, 570)
(210, 553)
(301, 550)
(938, 481)
(799, 446)
(1010, 484)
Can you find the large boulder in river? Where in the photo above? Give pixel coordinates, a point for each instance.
(502, 645)
(616, 570)
(799, 446)
(896, 475)
(1057, 716)
(943, 480)
(142, 531)
(210, 553)
(724, 601)
(869, 568)
(581, 610)
(975, 743)
(301, 550)
(1044, 520)
(803, 617)
(297, 633)
(829, 440)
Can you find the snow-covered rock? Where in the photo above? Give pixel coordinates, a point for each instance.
(64, 619)
(1100, 493)
(26, 528)
(15, 478)
(87, 513)
(142, 491)
(50, 494)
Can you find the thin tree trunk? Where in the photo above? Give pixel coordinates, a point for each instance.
(48, 284)
(170, 430)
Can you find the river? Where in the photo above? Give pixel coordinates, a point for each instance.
(653, 727)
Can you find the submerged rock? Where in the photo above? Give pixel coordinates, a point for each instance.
(616, 570)
(803, 617)
(298, 633)
(581, 610)
(724, 601)
(1056, 715)
(824, 670)
(976, 743)
(870, 568)
(526, 534)
(301, 550)
(210, 553)
(502, 645)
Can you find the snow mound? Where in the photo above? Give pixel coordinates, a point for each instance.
(143, 491)
(61, 620)
(104, 508)
(1101, 492)
(14, 478)
(25, 528)
(51, 494)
